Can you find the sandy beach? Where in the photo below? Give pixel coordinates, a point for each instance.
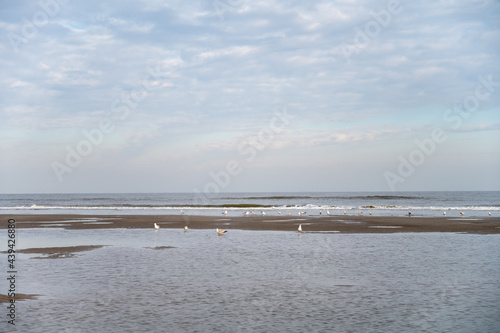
(343, 224)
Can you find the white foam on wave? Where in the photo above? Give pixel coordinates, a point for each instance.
(282, 208)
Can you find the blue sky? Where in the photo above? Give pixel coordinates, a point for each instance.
(237, 95)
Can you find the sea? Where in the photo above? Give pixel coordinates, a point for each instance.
(473, 204)
(169, 280)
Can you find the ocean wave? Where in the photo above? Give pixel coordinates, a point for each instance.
(250, 206)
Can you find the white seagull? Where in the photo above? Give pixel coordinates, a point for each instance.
(157, 226)
(328, 212)
(225, 213)
(462, 213)
(220, 232)
(300, 228)
(444, 213)
(489, 213)
(186, 228)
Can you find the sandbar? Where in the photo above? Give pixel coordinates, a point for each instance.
(18, 297)
(334, 223)
(59, 252)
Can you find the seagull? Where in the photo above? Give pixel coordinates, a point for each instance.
(157, 226)
(360, 213)
(182, 212)
(300, 228)
(489, 213)
(444, 213)
(279, 213)
(328, 212)
(246, 213)
(220, 232)
(371, 213)
(225, 212)
(345, 212)
(462, 213)
(263, 213)
(186, 228)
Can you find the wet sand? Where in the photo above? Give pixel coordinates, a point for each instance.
(338, 223)
(59, 252)
(19, 297)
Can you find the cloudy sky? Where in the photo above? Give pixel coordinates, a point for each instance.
(240, 95)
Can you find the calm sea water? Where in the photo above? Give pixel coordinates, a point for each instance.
(259, 281)
(382, 203)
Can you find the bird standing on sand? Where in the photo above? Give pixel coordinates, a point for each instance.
(157, 226)
(300, 228)
(186, 228)
(220, 232)
(328, 212)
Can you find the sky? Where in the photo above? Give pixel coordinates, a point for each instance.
(213, 96)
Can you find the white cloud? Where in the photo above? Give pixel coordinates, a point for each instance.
(218, 81)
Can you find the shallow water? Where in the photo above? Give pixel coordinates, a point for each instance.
(259, 281)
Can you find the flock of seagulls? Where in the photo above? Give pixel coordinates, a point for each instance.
(300, 213)
(220, 232)
(299, 229)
